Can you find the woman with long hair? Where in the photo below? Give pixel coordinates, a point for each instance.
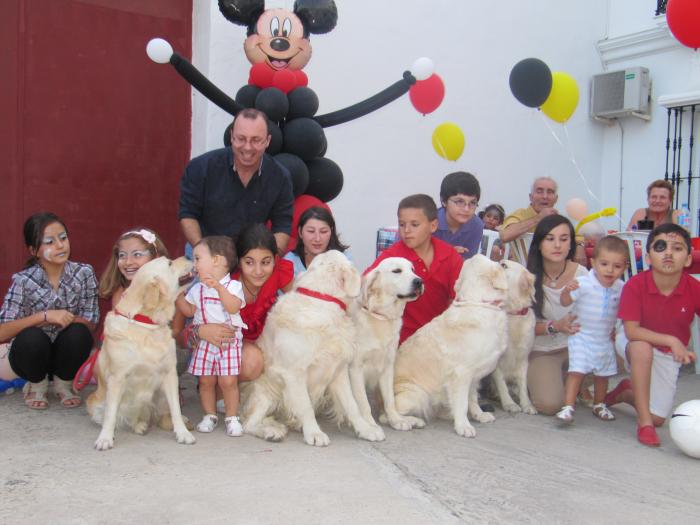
(551, 260)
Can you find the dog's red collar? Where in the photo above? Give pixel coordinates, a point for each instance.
(524, 311)
(322, 296)
(138, 317)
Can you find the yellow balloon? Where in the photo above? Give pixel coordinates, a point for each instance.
(563, 98)
(448, 141)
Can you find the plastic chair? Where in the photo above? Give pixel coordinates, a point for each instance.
(488, 242)
(636, 244)
(520, 247)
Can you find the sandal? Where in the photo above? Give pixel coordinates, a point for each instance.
(566, 414)
(35, 394)
(208, 423)
(63, 390)
(233, 426)
(601, 411)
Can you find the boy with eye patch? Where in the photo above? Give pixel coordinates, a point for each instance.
(657, 308)
(458, 223)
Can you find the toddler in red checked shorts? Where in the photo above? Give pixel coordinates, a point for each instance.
(216, 298)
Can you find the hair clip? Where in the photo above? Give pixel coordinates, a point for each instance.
(146, 235)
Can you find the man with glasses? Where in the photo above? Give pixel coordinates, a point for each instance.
(458, 223)
(225, 189)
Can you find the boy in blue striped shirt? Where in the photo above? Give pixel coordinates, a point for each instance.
(591, 350)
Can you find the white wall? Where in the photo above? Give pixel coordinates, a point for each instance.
(474, 44)
(637, 38)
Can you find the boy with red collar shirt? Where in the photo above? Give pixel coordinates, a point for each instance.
(434, 261)
(657, 308)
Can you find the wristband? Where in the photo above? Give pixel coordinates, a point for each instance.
(550, 328)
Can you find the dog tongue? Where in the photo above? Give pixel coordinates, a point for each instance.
(187, 278)
(279, 64)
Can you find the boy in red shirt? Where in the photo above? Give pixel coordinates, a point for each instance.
(434, 261)
(657, 308)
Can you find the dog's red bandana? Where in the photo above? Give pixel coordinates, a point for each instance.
(138, 317)
(519, 312)
(322, 296)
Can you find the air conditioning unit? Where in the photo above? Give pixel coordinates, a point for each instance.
(621, 93)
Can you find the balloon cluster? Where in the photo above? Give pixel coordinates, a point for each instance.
(298, 141)
(536, 86)
(577, 209)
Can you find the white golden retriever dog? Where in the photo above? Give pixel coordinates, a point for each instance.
(377, 315)
(440, 366)
(136, 380)
(512, 367)
(308, 345)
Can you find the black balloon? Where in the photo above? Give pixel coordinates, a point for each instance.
(531, 82)
(273, 102)
(303, 137)
(275, 138)
(297, 169)
(246, 95)
(325, 179)
(227, 135)
(303, 102)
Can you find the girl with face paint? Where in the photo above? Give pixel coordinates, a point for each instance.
(48, 315)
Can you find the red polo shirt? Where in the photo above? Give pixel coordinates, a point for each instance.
(438, 281)
(672, 315)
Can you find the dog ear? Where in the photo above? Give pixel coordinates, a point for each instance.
(497, 278)
(368, 285)
(350, 281)
(527, 284)
(153, 294)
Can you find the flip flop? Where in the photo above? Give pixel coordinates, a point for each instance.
(35, 395)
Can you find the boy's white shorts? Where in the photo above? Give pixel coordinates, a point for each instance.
(664, 377)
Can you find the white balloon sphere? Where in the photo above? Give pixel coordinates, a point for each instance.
(159, 50)
(685, 427)
(592, 230)
(422, 68)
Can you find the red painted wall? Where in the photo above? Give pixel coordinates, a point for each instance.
(91, 129)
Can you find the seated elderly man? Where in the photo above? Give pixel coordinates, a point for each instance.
(543, 197)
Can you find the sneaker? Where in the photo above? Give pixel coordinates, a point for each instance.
(566, 414)
(208, 423)
(220, 406)
(233, 426)
(646, 435)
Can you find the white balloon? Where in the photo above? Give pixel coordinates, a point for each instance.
(685, 427)
(159, 50)
(422, 68)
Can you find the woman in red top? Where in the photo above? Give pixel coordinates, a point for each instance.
(262, 275)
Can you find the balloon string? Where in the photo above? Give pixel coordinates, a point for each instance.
(444, 153)
(568, 147)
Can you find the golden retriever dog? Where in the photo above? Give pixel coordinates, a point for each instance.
(512, 367)
(308, 345)
(377, 316)
(136, 379)
(440, 366)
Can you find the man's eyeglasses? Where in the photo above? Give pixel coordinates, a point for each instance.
(461, 203)
(256, 142)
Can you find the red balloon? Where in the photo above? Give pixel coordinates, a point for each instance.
(426, 95)
(261, 75)
(683, 17)
(301, 204)
(302, 79)
(284, 80)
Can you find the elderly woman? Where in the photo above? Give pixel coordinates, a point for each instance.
(660, 201)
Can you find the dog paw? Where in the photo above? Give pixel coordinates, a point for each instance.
(141, 427)
(185, 438)
(274, 432)
(406, 423)
(373, 433)
(104, 443)
(511, 408)
(317, 439)
(529, 409)
(465, 430)
(486, 417)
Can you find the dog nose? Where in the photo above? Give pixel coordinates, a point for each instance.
(417, 284)
(279, 44)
